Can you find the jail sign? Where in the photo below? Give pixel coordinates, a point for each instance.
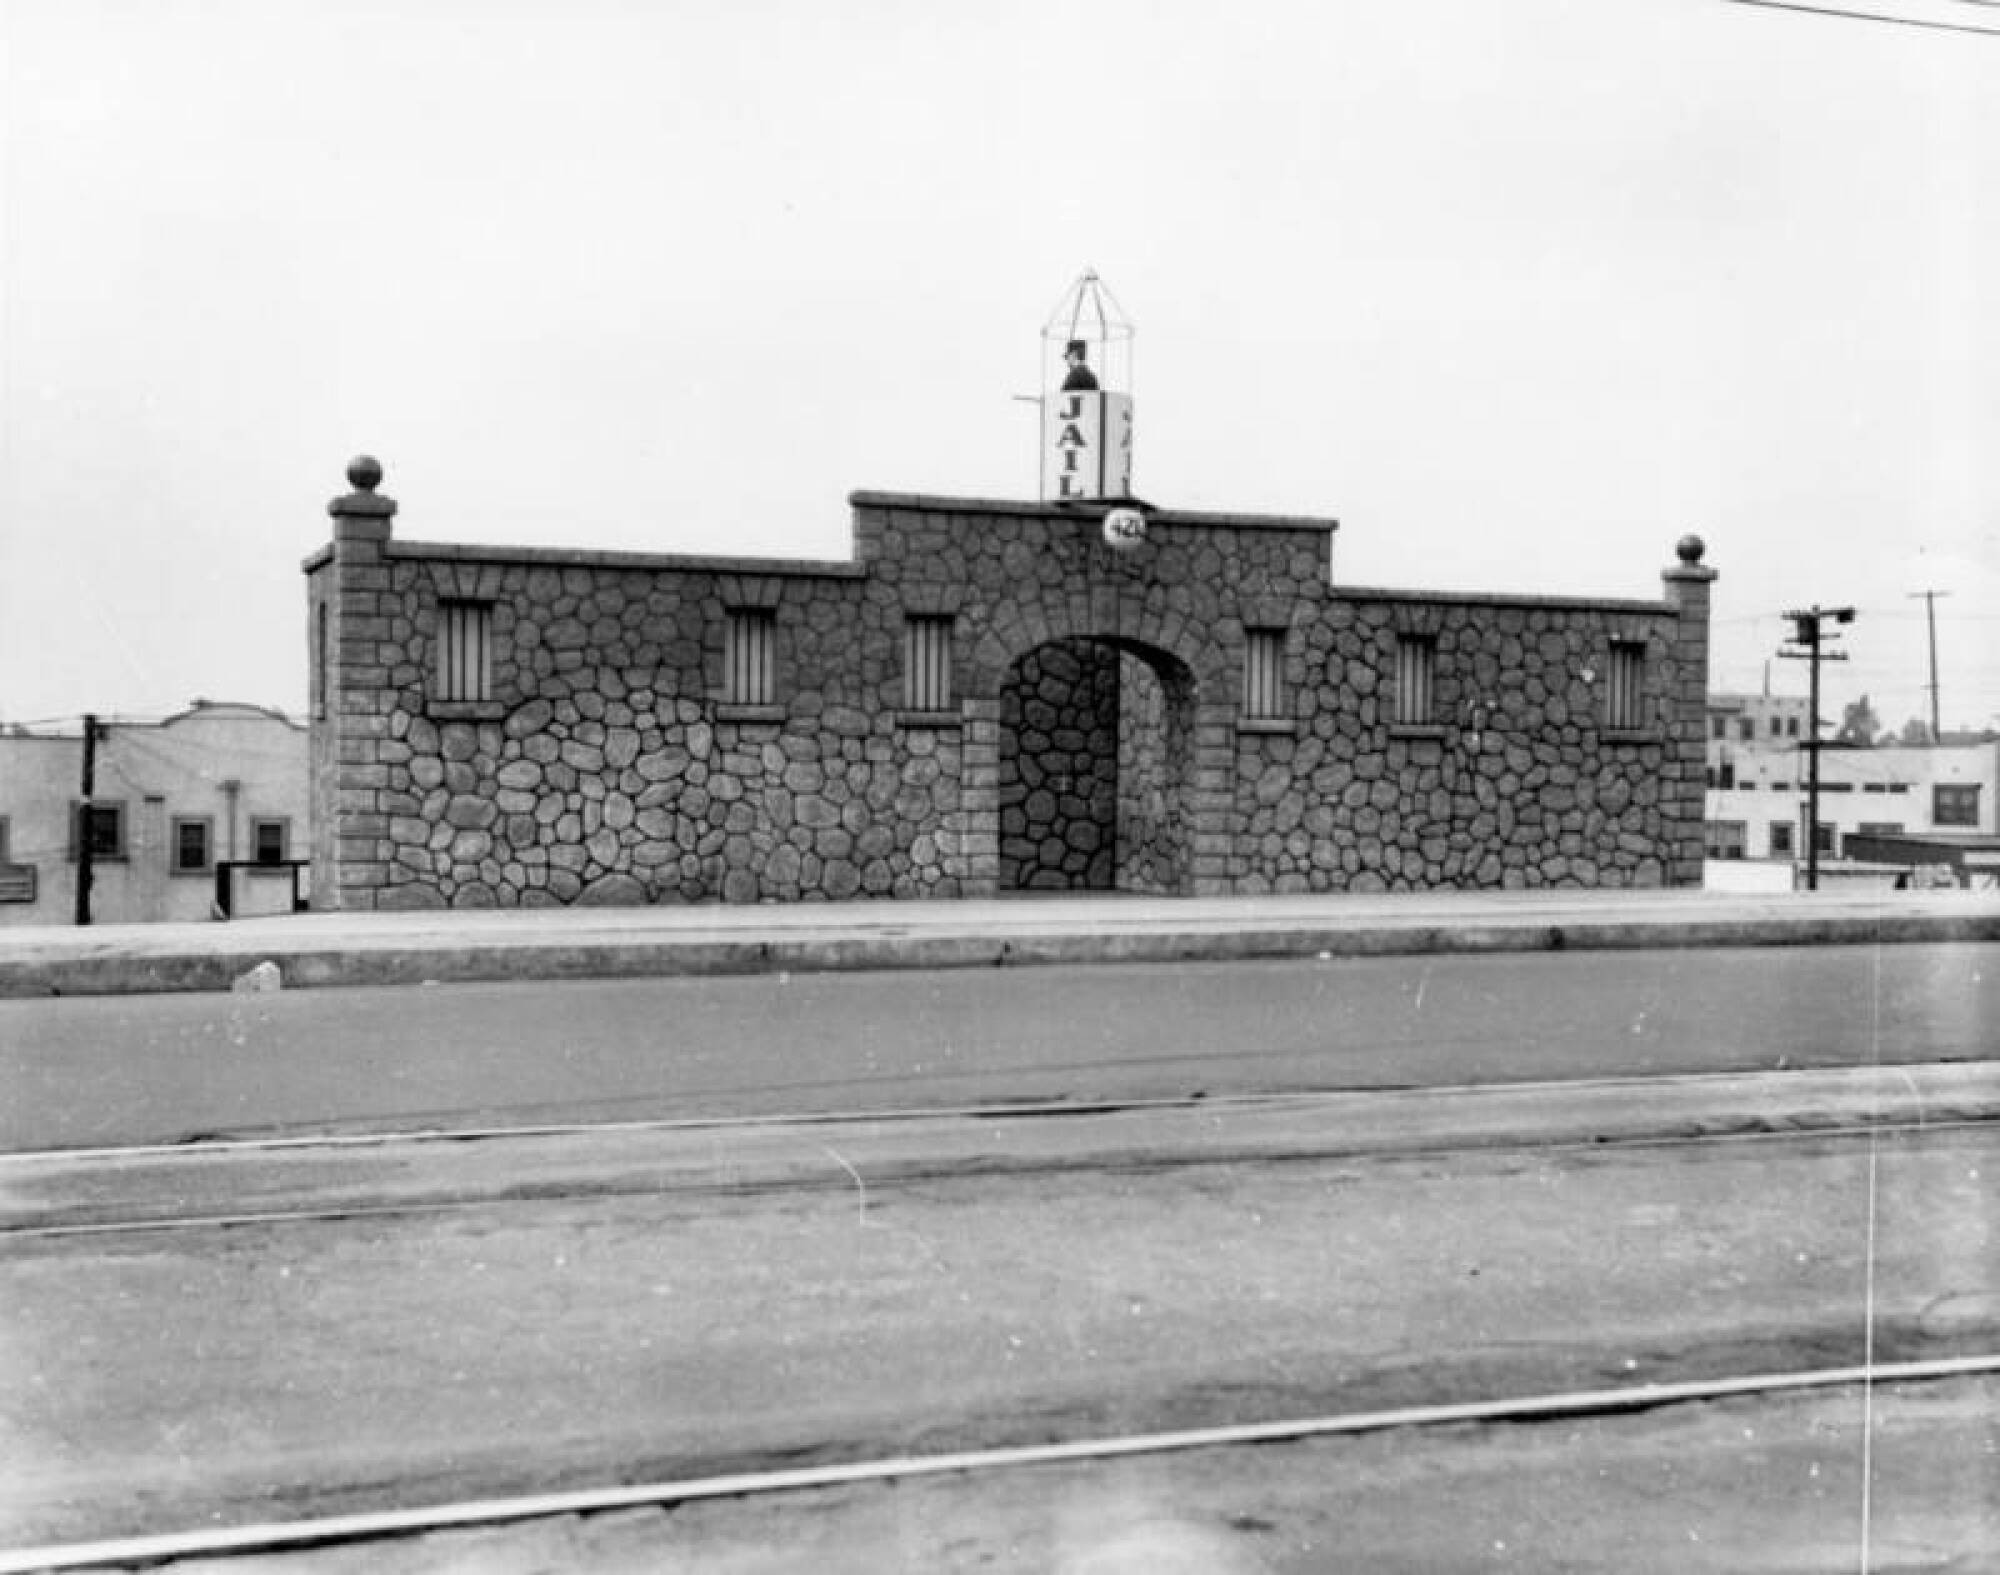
(1086, 445)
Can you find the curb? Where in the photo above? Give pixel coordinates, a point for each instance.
(142, 970)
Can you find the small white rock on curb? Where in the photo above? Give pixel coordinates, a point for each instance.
(260, 979)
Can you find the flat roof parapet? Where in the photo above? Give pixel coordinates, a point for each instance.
(591, 558)
(1095, 508)
(1380, 593)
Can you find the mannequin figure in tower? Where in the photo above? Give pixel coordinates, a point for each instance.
(1080, 376)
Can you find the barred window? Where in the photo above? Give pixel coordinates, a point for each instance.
(1416, 669)
(748, 667)
(465, 651)
(1624, 686)
(1264, 674)
(927, 664)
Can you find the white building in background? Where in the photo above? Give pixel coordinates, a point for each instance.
(174, 805)
(1735, 721)
(1756, 802)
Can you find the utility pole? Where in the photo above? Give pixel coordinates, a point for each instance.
(1930, 613)
(1807, 634)
(84, 820)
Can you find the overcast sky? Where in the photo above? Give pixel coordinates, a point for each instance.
(1518, 292)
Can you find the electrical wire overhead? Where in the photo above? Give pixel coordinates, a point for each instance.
(1846, 14)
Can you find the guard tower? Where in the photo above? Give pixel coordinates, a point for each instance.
(1086, 397)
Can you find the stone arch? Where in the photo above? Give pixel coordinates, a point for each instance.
(1166, 640)
(1095, 768)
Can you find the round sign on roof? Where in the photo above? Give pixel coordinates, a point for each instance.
(1124, 529)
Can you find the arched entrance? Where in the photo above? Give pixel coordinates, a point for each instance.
(1096, 769)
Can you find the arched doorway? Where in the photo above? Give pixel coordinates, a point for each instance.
(1096, 766)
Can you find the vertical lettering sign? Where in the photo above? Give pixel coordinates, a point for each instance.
(1086, 445)
(1072, 445)
(1117, 445)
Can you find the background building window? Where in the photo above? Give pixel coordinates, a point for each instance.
(465, 651)
(104, 825)
(1781, 838)
(927, 664)
(1746, 730)
(1416, 663)
(194, 845)
(1264, 674)
(17, 881)
(749, 671)
(1955, 803)
(1624, 688)
(1725, 839)
(269, 839)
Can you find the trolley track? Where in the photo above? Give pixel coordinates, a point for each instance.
(1755, 1340)
(280, 1537)
(476, 1167)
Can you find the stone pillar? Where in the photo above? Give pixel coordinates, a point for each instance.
(978, 850)
(1684, 786)
(350, 829)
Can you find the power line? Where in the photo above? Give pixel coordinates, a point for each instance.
(1868, 16)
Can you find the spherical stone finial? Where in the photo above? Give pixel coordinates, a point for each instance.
(364, 473)
(1689, 549)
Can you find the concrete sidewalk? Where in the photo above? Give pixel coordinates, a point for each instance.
(316, 950)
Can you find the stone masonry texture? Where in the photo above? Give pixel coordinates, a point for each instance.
(1093, 735)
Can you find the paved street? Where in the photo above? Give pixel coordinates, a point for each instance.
(1376, 1182)
(223, 1373)
(111, 1070)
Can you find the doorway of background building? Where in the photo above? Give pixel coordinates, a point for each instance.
(1096, 765)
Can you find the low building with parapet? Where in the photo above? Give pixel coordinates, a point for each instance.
(1082, 693)
(986, 697)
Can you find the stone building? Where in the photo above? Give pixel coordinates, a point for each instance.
(986, 697)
